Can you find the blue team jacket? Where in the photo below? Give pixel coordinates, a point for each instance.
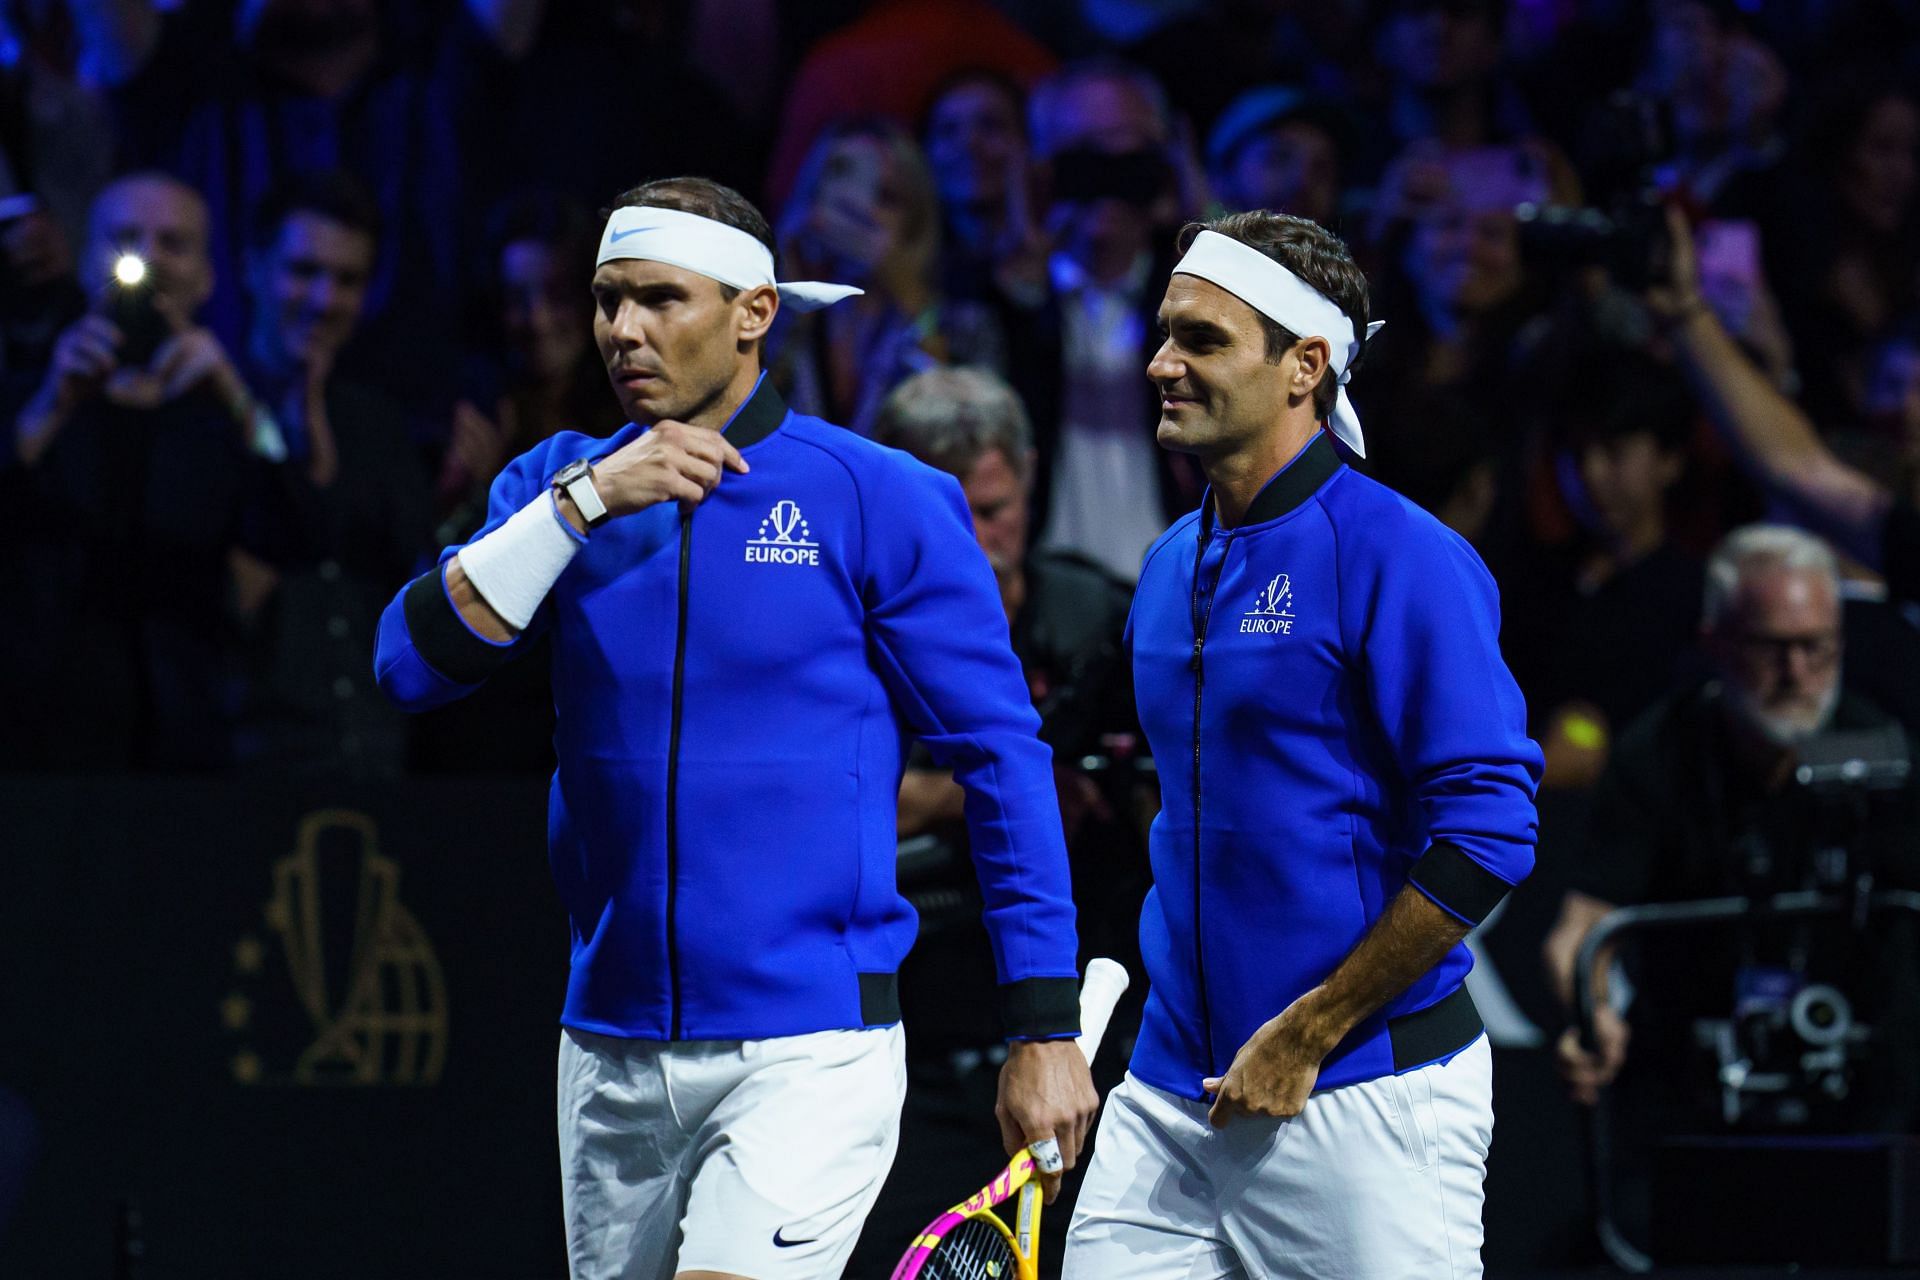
(1323, 691)
(732, 690)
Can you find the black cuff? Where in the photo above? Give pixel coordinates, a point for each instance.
(1458, 883)
(443, 639)
(1040, 1008)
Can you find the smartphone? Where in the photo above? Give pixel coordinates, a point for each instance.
(128, 301)
(1727, 252)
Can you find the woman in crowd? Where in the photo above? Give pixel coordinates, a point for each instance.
(864, 212)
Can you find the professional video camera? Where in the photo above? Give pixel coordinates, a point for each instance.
(1625, 230)
(1789, 1052)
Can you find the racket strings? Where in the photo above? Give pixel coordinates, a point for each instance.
(974, 1250)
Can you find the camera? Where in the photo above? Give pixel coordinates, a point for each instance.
(1790, 1054)
(129, 302)
(1625, 230)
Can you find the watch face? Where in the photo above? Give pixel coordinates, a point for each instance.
(571, 472)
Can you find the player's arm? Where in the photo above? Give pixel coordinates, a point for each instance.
(458, 623)
(941, 646)
(1420, 621)
(1275, 1071)
(1768, 432)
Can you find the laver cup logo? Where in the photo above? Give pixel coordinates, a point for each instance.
(340, 986)
(1272, 612)
(791, 540)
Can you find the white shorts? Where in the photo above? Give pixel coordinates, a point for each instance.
(1375, 1181)
(757, 1157)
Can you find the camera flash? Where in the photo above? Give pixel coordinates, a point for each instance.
(129, 269)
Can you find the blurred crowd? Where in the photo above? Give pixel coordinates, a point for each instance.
(1650, 271)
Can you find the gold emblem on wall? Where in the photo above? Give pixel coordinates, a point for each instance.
(340, 986)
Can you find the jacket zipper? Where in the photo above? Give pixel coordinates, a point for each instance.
(1200, 623)
(673, 773)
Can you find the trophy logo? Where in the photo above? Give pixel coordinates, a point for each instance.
(1272, 612)
(792, 541)
(368, 999)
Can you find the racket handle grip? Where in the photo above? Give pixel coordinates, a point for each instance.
(1105, 983)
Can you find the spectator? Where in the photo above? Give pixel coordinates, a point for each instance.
(56, 63)
(976, 145)
(1449, 465)
(392, 93)
(573, 117)
(537, 372)
(364, 504)
(1280, 149)
(1872, 521)
(1456, 283)
(1445, 80)
(888, 63)
(864, 213)
(129, 479)
(1104, 488)
(1698, 802)
(1608, 625)
(1066, 617)
(1844, 246)
(1724, 91)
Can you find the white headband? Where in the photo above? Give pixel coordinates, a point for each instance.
(713, 249)
(1287, 300)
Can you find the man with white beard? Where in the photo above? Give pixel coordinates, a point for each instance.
(1698, 801)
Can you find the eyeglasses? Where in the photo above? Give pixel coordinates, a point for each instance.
(1819, 652)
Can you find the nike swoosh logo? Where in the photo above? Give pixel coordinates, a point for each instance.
(618, 236)
(780, 1243)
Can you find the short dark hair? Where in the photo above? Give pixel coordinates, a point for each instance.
(1311, 252)
(333, 194)
(707, 198)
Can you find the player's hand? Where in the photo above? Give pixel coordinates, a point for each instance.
(670, 462)
(1589, 1071)
(1046, 1092)
(1275, 1070)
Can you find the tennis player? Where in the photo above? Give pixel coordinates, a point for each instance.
(747, 605)
(1347, 786)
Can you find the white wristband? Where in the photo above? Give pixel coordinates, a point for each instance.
(515, 566)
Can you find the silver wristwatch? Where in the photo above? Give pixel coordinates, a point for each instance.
(576, 481)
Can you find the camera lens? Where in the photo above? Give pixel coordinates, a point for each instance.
(1820, 1015)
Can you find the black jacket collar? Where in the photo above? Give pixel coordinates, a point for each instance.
(1291, 486)
(758, 417)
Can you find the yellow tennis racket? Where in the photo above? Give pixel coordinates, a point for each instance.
(970, 1241)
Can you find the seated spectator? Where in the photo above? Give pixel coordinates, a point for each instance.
(1608, 626)
(1280, 149)
(362, 500)
(1699, 801)
(1067, 618)
(976, 145)
(864, 213)
(128, 477)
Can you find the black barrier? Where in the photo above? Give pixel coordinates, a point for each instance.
(309, 1031)
(288, 1031)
